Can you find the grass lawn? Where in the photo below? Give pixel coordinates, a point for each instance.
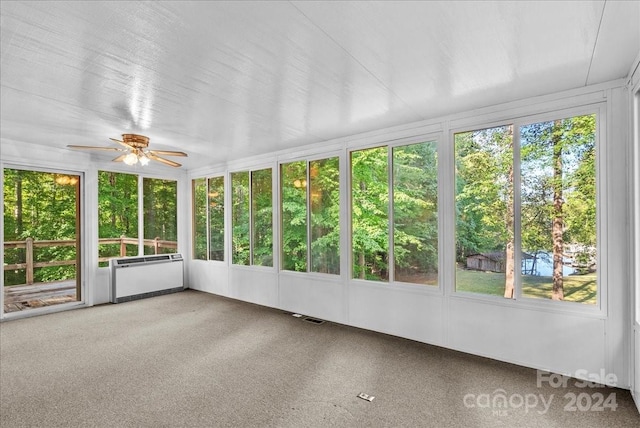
(577, 288)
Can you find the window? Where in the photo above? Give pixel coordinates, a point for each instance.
(324, 191)
(119, 216)
(410, 203)
(262, 217)
(310, 206)
(252, 217)
(160, 215)
(294, 215)
(199, 191)
(484, 211)
(240, 217)
(558, 215)
(216, 218)
(551, 173)
(415, 213)
(370, 214)
(208, 218)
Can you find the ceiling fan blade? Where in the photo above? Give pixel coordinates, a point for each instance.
(120, 158)
(163, 160)
(168, 153)
(109, 149)
(122, 142)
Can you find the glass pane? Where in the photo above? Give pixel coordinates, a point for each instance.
(216, 218)
(117, 215)
(240, 218)
(41, 238)
(325, 215)
(262, 217)
(199, 219)
(559, 209)
(294, 216)
(160, 216)
(484, 211)
(415, 213)
(369, 214)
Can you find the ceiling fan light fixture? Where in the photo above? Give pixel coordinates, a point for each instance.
(131, 159)
(144, 160)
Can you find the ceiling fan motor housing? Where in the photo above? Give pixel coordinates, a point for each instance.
(135, 140)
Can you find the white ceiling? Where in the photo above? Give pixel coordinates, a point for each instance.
(225, 80)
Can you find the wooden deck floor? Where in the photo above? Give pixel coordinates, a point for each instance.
(22, 297)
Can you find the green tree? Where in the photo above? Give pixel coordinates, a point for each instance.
(370, 213)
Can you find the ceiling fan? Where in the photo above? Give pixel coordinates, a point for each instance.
(134, 150)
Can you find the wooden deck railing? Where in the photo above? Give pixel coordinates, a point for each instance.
(29, 244)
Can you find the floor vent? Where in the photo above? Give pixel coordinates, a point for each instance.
(314, 320)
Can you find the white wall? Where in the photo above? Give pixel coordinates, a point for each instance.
(562, 338)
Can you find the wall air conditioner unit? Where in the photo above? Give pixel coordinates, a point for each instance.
(138, 277)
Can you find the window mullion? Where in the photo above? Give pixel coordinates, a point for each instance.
(390, 221)
(308, 207)
(140, 216)
(251, 238)
(208, 223)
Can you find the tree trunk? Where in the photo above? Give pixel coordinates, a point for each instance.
(558, 222)
(509, 262)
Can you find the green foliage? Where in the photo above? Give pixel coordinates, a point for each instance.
(294, 216)
(240, 218)
(262, 217)
(160, 212)
(484, 159)
(37, 207)
(577, 136)
(415, 208)
(370, 213)
(216, 218)
(199, 192)
(117, 210)
(325, 215)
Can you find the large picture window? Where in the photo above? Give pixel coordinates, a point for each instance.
(551, 172)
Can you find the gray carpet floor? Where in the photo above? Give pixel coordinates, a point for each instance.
(193, 359)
